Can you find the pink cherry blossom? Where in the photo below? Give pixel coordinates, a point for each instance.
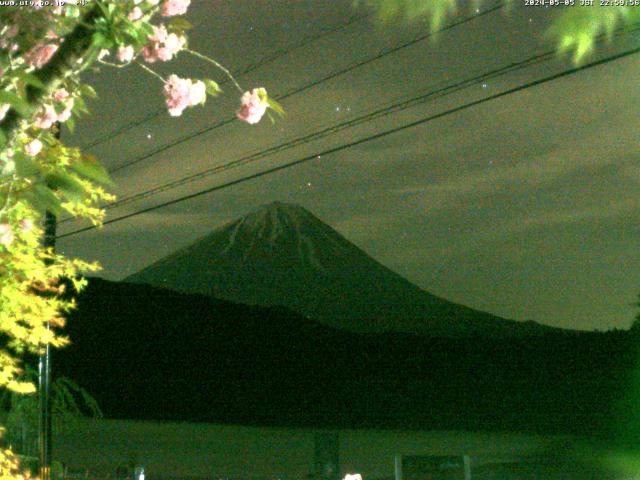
(174, 7)
(159, 34)
(40, 54)
(252, 107)
(46, 118)
(135, 14)
(162, 45)
(12, 32)
(33, 148)
(49, 115)
(6, 234)
(26, 224)
(181, 93)
(65, 114)
(61, 95)
(4, 108)
(6, 44)
(174, 42)
(172, 45)
(125, 53)
(197, 93)
(176, 92)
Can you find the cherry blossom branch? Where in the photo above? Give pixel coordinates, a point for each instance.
(148, 70)
(111, 64)
(218, 65)
(7, 201)
(64, 62)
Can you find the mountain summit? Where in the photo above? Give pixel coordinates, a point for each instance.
(281, 254)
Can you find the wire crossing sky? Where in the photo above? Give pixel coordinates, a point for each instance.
(376, 136)
(245, 71)
(443, 161)
(280, 98)
(381, 112)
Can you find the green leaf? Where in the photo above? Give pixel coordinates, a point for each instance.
(577, 30)
(178, 25)
(42, 198)
(69, 186)
(79, 106)
(212, 87)
(276, 107)
(90, 168)
(3, 139)
(262, 94)
(100, 41)
(87, 90)
(434, 10)
(72, 11)
(70, 124)
(146, 29)
(25, 165)
(31, 79)
(19, 104)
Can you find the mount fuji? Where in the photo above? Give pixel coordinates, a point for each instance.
(283, 255)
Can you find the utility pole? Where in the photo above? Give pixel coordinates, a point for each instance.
(44, 365)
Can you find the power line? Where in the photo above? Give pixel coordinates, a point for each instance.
(381, 112)
(248, 69)
(369, 138)
(305, 87)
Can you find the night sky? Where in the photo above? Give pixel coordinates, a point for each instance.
(525, 206)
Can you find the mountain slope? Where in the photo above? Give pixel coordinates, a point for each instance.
(156, 354)
(281, 254)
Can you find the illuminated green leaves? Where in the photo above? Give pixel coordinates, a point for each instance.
(42, 198)
(25, 165)
(87, 90)
(178, 25)
(18, 103)
(576, 30)
(212, 87)
(89, 167)
(435, 10)
(276, 107)
(67, 184)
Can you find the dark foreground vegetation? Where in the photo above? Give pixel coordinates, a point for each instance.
(149, 353)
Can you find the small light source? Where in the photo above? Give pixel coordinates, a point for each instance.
(148, 135)
(352, 476)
